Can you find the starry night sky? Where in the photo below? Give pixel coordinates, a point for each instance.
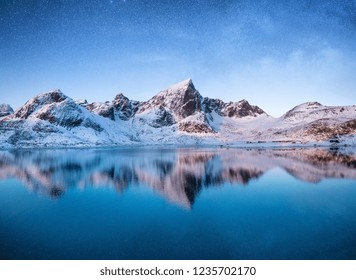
(276, 54)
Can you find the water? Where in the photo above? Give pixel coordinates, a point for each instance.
(148, 203)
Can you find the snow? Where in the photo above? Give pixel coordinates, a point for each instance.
(5, 109)
(183, 85)
(52, 119)
(82, 102)
(309, 112)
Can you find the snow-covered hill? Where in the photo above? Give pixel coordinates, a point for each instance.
(5, 110)
(177, 115)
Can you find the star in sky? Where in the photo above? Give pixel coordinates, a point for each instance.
(261, 50)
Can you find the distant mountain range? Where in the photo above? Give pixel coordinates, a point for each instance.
(177, 115)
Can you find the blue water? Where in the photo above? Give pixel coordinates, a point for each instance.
(177, 204)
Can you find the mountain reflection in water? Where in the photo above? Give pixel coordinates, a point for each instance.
(177, 174)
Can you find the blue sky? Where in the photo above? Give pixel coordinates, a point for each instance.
(276, 54)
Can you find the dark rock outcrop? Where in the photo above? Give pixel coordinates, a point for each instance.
(163, 118)
(105, 110)
(124, 108)
(182, 99)
(232, 109)
(197, 123)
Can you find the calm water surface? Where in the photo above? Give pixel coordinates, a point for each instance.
(149, 203)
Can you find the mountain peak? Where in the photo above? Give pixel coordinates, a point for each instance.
(5, 110)
(308, 111)
(181, 98)
(124, 108)
(178, 114)
(243, 101)
(310, 105)
(120, 96)
(183, 85)
(304, 107)
(47, 98)
(54, 96)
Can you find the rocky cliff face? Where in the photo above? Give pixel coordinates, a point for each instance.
(231, 109)
(121, 108)
(124, 107)
(325, 130)
(180, 105)
(105, 110)
(182, 99)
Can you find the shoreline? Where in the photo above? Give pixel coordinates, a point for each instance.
(235, 145)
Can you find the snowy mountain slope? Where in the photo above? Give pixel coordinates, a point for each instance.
(53, 119)
(312, 111)
(177, 115)
(314, 122)
(306, 123)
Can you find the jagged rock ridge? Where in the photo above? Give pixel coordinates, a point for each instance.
(185, 106)
(53, 118)
(177, 115)
(180, 105)
(232, 109)
(120, 108)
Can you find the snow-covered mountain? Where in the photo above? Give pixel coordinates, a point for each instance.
(5, 110)
(53, 119)
(121, 108)
(177, 115)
